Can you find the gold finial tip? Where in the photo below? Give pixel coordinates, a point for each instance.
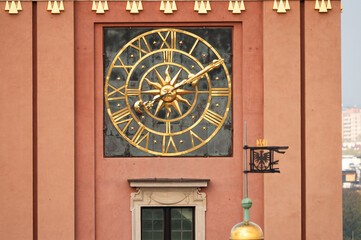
(246, 231)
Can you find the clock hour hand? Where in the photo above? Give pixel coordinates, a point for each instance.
(192, 79)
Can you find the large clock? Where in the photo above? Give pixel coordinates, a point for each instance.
(167, 92)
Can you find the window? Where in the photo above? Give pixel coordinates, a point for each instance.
(167, 223)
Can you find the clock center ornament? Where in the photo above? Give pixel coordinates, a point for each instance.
(167, 92)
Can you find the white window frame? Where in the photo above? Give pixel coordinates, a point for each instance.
(169, 192)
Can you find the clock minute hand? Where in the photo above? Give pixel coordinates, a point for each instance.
(194, 78)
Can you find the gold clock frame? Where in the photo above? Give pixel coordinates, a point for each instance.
(140, 136)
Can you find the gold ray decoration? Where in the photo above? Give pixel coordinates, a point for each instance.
(196, 5)
(323, 8)
(140, 5)
(55, 9)
(100, 8)
(281, 7)
(7, 5)
(128, 7)
(242, 7)
(162, 7)
(275, 5)
(202, 8)
(134, 8)
(13, 9)
(329, 6)
(61, 5)
(230, 6)
(168, 8)
(106, 7)
(174, 6)
(317, 5)
(287, 5)
(208, 6)
(236, 8)
(18, 6)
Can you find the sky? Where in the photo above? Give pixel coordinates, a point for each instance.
(351, 52)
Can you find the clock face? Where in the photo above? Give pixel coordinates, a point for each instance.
(167, 92)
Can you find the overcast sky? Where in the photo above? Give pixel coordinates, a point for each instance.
(351, 52)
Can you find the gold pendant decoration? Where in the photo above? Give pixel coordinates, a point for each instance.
(323, 8)
(100, 7)
(236, 7)
(174, 6)
(242, 6)
(202, 8)
(282, 6)
(128, 7)
(317, 5)
(168, 7)
(230, 5)
(56, 7)
(13, 9)
(329, 6)
(61, 5)
(275, 5)
(341, 7)
(18, 6)
(208, 6)
(196, 5)
(94, 5)
(7, 5)
(134, 7)
(106, 7)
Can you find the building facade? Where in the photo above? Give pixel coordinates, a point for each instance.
(351, 124)
(81, 160)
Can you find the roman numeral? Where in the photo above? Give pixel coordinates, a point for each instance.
(164, 39)
(117, 116)
(170, 141)
(196, 136)
(137, 139)
(128, 121)
(213, 118)
(167, 56)
(122, 65)
(167, 127)
(218, 92)
(132, 92)
(116, 90)
(194, 46)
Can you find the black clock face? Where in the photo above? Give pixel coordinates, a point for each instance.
(167, 92)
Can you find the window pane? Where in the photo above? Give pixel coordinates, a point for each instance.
(146, 213)
(187, 236)
(147, 225)
(176, 213)
(176, 235)
(158, 236)
(158, 225)
(152, 224)
(147, 236)
(176, 225)
(182, 223)
(158, 213)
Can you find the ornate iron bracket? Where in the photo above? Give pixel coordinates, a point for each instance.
(262, 159)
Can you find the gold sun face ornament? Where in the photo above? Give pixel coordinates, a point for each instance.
(161, 93)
